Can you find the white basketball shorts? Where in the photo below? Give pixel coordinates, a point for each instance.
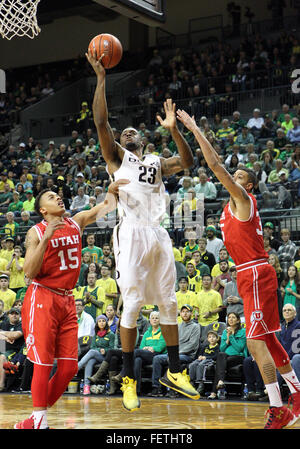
(146, 272)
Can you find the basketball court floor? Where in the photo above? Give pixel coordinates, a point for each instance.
(73, 411)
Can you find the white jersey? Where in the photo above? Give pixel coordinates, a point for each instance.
(143, 200)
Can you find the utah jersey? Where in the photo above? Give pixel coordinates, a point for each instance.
(243, 238)
(143, 199)
(62, 258)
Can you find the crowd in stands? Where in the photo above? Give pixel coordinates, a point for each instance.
(210, 310)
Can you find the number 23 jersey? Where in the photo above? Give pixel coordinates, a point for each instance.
(143, 199)
(243, 238)
(62, 258)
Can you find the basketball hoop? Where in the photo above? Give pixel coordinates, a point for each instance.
(18, 18)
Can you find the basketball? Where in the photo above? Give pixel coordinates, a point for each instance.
(110, 46)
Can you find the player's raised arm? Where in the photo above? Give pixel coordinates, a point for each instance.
(111, 150)
(185, 159)
(109, 204)
(237, 192)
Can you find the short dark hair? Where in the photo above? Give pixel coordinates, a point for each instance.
(38, 200)
(251, 175)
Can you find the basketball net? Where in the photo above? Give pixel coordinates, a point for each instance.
(18, 18)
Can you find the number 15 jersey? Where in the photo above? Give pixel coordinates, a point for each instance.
(143, 200)
(243, 238)
(62, 258)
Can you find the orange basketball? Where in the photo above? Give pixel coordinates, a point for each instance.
(110, 46)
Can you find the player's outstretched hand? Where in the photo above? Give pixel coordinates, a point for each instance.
(188, 121)
(96, 64)
(114, 186)
(53, 226)
(170, 120)
(112, 193)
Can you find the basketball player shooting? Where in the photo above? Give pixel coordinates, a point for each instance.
(143, 249)
(257, 281)
(49, 320)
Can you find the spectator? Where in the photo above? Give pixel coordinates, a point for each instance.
(287, 124)
(95, 251)
(207, 257)
(28, 205)
(205, 187)
(15, 205)
(223, 255)
(25, 223)
(294, 133)
(206, 357)
(152, 344)
(274, 175)
(80, 201)
(200, 266)
(220, 281)
(182, 191)
(268, 230)
(102, 341)
(274, 261)
(190, 246)
(209, 302)
(7, 295)
(11, 332)
(189, 337)
(8, 249)
(233, 350)
(290, 288)
(185, 296)
(22, 291)
(255, 123)
(112, 318)
(214, 244)
(194, 278)
(43, 167)
(231, 298)
(6, 196)
(223, 133)
(94, 297)
(15, 268)
(11, 228)
(86, 323)
(244, 138)
(109, 285)
(287, 251)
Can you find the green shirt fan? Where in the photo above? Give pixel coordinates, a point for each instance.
(18, 18)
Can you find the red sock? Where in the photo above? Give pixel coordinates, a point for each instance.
(39, 385)
(66, 370)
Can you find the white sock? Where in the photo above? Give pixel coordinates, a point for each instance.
(40, 419)
(274, 395)
(292, 381)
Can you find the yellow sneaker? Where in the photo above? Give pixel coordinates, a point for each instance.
(180, 382)
(130, 400)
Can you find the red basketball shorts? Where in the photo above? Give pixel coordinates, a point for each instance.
(50, 327)
(257, 286)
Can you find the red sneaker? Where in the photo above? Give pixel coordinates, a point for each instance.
(26, 424)
(279, 417)
(294, 399)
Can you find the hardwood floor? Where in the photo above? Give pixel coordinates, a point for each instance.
(100, 412)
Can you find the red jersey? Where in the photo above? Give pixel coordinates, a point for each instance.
(243, 239)
(62, 258)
